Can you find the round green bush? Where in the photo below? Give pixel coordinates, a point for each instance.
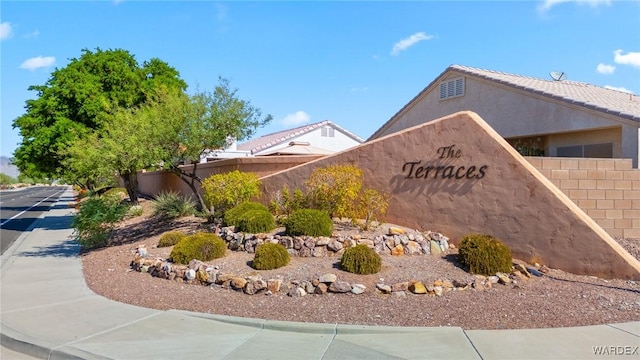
(202, 246)
(484, 254)
(170, 238)
(256, 221)
(233, 216)
(309, 222)
(361, 259)
(270, 256)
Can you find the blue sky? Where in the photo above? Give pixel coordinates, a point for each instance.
(354, 63)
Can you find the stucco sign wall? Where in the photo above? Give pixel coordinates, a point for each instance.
(456, 175)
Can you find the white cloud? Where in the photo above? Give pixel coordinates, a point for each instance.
(605, 69)
(297, 118)
(408, 42)
(631, 58)
(38, 62)
(548, 4)
(5, 30)
(618, 89)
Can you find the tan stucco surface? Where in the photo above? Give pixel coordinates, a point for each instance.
(508, 198)
(517, 113)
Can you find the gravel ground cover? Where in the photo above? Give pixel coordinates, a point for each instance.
(558, 299)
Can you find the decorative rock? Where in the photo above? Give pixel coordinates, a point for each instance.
(142, 251)
(323, 241)
(503, 278)
(296, 292)
(522, 269)
(310, 242)
(340, 287)
(426, 247)
(437, 290)
(399, 293)
(321, 289)
(195, 264)
(397, 250)
(493, 279)
(238, 283)
(395, 231)
(273, 285)
(319, 251)
(334, 245)
(418, 288)
(401, 286)
(413, 248)
(308, 287)
(358, 289)
(190, 274)
(328, 278)
(367, 242)
(434, 248)
(385, 289)
(201, 276)
(254, 286)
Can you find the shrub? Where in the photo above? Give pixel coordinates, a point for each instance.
(171, 205)
(371, 205)
(309, 222)
(170, 238)
(95, 220)
(484, 254)
(256, 221)
(232, 216)
(120, 191)
(135, 210)
(335, 189)
(285, 203)
(270, 256)
(224, 191)
(202, 246)
(361, 259)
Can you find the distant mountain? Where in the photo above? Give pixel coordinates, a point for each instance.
(6, 167)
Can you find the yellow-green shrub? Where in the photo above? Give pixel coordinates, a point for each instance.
(232, 216)
(256, 221)
(170, 238)
(224, 191)
(202, 246)
(335, 189)
(270, 256)
(309, 222)
(361, 259)
(372, 204)
(484, 254)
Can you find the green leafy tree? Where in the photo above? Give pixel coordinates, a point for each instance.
(207, 121)
(75, 102)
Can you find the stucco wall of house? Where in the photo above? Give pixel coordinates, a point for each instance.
(337, 143)
(608, 135)
(510, 200)
(514, 113)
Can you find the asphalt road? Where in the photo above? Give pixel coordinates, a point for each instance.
(20, 208)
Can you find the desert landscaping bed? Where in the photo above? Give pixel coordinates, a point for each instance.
(557, 299)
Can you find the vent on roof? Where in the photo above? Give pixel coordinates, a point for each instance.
(452, 88)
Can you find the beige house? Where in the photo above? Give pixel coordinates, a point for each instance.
(539, 117)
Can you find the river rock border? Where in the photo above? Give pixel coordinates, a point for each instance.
(396, 242)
